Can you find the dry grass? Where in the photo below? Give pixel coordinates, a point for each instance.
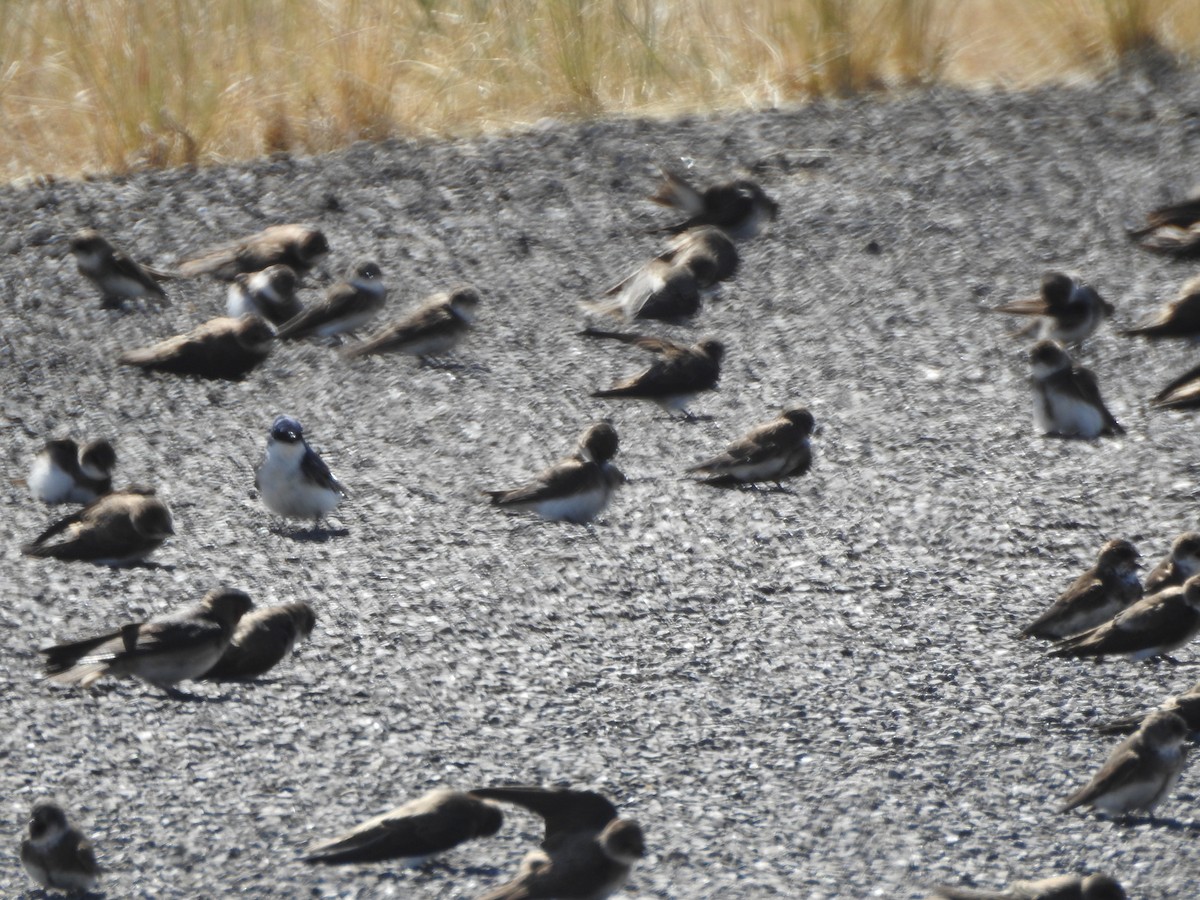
(109, 85)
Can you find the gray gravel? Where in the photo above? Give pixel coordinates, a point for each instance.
(808, 694)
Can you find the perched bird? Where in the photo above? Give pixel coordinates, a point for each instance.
(772, 451)
(575, 489)
(1069, 307)
(346, 306)
(117, 276)
(270, 294)
(706, 252)
(432, 824)
(221, 348)
(1173, 229)
(587, 851)
(431, 330)
(296, 246)
(1185, 705)
(1094, 597)
(1153, 626)
(674, 378)
(63, 473)
(263, 638)
(292, 479)
(1066, 398)
(738, 208)
(162, 652)
(1140, 772)
(115, 529)
(1178, 566)
(1178, 319)
(1182, 393)
(1063, 887)
(56, 854)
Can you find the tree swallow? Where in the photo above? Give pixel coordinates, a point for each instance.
(56, 854)
(162, 652)
(422, 828)
(431, 330)
(292, 479)
(773, 451)
(1066, 398)
(1069, 307)
(346, 306)
(575, 489)
(1094, 597)
(62, 473)
(270, 294)
(1140, 772)
(222, 348)
(297, 246)
(738, 208)
(117, 276)
(113, 530)
(587, 850)
(263, 638)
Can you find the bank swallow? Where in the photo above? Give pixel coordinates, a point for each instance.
(1140, 772)
(1182, 393)
(270, 294)
(674, 378)
(1153, 626)
(1063, 887)
(63, 473)
(1185, 705)
(1173, 229)
(1094, 597)
(772, 451)
(117, 276)
(1070, 309)
(56, 854)
(1178, 319)
(292, 479)
(430, 331)
(738, 208)
(263, 638)
(1066, 398)
(346, 306)
(299, 247)
(115, 529)
(1178, 566)
(162, 652)
(432, 824)
(587, 850)
(222, 348)
(575, 489)
(660, 291)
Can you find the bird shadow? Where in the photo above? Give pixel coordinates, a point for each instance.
(316, 535)
(1157, 822)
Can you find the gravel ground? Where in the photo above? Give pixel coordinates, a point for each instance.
(814, 694)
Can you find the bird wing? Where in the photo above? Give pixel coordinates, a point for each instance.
(758, 445)
(564, 478)
(1182, 392)
(409, 831)
(677, 193)
(314, 468)
(1088, 389)
(1121, 766)
(565, 812)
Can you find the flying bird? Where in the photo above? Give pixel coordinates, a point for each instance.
(1094, 597)
(1063, 887)
(117, 276)
(270, 294)
(64, 473)
(346, 306)
(1066, 398)
(292, 479)
(575, 489)
(299, 247)
(587, 851)
(1185, 705)
(674, 378)
(422, 828)
(116, 529)
(1178, 319)
(739, 208)
(162, 652)
(263, 638)
(1178, 566)
(1153, 626)
(772, 451)
(433, 329)
(56, 854)
(1070, 308)
(1140, 772)
(222, 349)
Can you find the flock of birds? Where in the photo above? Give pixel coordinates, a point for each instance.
(588, 849)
